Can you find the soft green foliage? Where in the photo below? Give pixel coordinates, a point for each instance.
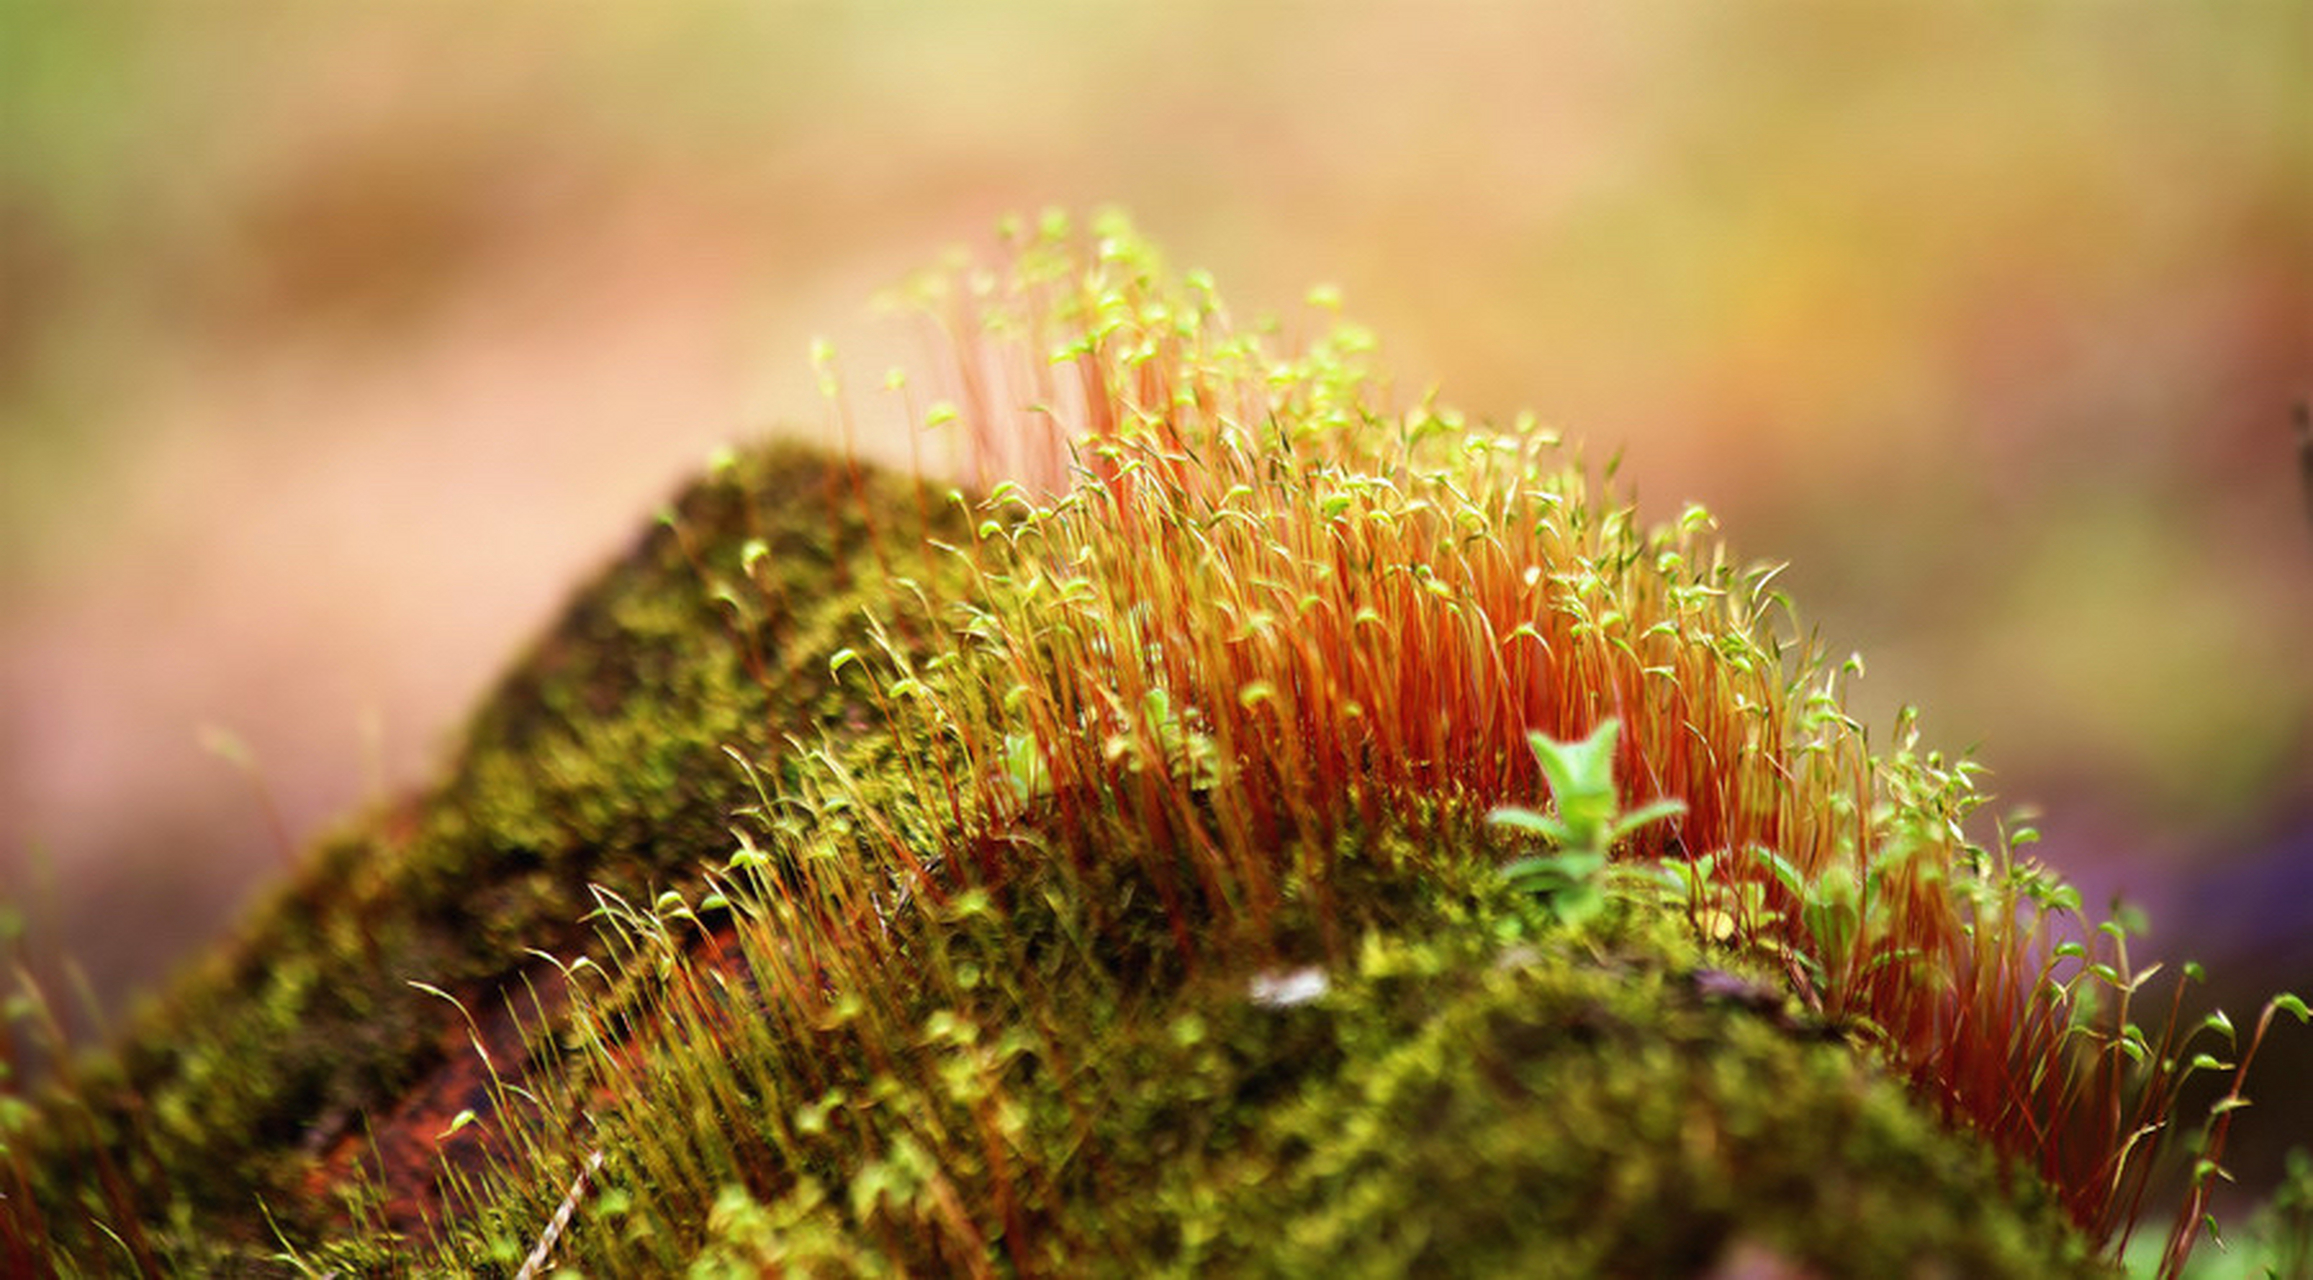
(2274, 1243)
(2283, 1230)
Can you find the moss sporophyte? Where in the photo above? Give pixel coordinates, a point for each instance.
(1123, 865)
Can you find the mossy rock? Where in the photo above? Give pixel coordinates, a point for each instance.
(1471, 1092)
(1124, 869)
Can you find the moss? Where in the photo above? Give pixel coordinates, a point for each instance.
(599, 761)
(998, 989)
(1450, 1105)
(1570, 1116)
(1457, 1101)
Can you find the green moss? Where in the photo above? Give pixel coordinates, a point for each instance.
(599, 761)
(1454, 1102)
(1450, 1105)
(1567, 1116)
(964, 956)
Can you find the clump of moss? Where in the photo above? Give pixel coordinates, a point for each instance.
(1579, 1106)
(1090, 873)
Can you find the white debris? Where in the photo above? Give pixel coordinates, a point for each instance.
(1283, 990)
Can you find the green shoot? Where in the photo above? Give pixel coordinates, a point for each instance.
(1587, 824)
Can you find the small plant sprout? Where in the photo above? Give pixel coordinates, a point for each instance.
(1587, 824)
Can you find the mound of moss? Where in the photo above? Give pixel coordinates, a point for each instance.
(1465, 1091)
(1124, 868)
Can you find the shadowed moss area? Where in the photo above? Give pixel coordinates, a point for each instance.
(599, 762)
(1450, 1104)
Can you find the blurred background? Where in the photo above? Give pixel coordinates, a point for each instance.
(338, 343)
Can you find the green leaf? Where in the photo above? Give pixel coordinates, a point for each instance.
(1528, 820)
(1786, 873)
(1654, 811)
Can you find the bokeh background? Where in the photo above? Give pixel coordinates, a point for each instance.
(338, 342)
